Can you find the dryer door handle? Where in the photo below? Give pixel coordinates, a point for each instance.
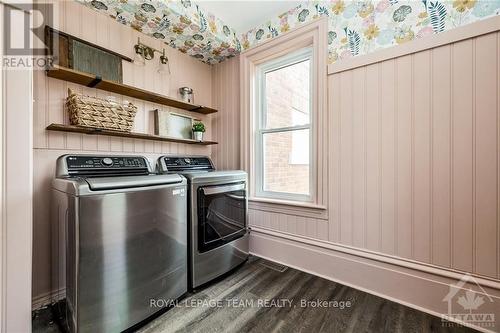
(223, 189)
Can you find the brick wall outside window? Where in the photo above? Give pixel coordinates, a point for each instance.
(287, 98)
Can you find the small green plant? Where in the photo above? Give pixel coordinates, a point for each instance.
(199, 127)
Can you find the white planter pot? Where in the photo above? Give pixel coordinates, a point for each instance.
(198, 136)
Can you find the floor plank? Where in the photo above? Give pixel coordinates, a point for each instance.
(236, 304)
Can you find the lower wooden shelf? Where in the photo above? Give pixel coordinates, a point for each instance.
(130, 135)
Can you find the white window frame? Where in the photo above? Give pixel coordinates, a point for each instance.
(290, 59)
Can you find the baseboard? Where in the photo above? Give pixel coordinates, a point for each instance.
(423, 291)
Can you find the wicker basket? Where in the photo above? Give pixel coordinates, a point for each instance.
(100, 113)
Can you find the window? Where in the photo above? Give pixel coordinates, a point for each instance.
(283, 127)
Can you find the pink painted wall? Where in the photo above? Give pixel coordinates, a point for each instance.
(16, 93)
(417, 169)
(49, 95)
(226, 123)
(413, 156)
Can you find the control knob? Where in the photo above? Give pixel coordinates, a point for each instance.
(107, 161)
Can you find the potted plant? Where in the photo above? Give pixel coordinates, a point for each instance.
(198, 130)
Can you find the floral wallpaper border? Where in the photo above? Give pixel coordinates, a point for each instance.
(356, 27)
(181, 24)
(363, 26)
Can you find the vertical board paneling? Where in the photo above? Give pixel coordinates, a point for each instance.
(50, 94)
(322, 229)
(215, 117)
(413, 159)
(373, 153)
(358, 158)
(404, 153)
(275, 220)
(388, 117)
(102, 38)
(413, 146)
(55, 111)
(73, 140)
(225, 78)
(422, 156)
(258, 221)
(311, 228)
(462, 162)
(292, 224)
(301, 226)
(40, 136)
(417, 156)
(282, 222)
(88, 31)
(334, 139)
(346, 157)
(441, 156)
(266, 220)
(486, 154)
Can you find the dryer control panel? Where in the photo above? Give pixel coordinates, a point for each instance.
(185, 163)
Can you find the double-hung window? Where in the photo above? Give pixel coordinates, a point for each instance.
(283, 117)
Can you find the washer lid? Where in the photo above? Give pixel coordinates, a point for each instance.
(82, 186)
(113, 183)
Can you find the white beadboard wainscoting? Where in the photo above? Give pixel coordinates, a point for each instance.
(414, 171)
(49, 98)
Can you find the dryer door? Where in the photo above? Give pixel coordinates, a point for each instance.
(221, 214)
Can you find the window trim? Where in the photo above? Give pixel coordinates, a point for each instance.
(286, 60)
(312, 34)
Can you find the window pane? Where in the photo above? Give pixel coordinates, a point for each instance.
(287, 96)
(286, 162)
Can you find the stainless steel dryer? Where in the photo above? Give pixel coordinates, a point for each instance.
(217, 216)
(121, 240)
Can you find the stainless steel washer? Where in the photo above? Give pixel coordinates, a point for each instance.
(217, 216)
(122, 240)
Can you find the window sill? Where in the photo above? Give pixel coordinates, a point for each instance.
(288, 203)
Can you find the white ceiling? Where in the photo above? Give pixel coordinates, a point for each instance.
(244, 15)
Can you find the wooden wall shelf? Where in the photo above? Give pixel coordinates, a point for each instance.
(92, 81)
(130, 135)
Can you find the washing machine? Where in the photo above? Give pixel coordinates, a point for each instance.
(119, 241)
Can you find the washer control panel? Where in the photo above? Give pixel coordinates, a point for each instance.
(84, 164)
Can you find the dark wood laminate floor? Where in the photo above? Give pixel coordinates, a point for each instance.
(255, 280)
(236, 304)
